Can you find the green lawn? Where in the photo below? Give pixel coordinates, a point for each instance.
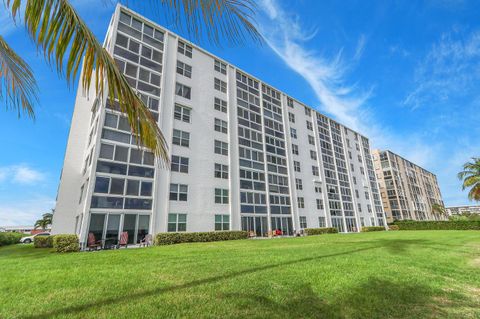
(419, 274)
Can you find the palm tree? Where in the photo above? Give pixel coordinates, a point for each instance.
(45, 221)
(470, 177)
(64, 38)
(439, 210)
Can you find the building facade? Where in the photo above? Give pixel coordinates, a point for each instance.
(458, 210)
(243, 154)
(408, 191)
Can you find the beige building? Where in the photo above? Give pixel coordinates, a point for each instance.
(458, 210)
(408, 191)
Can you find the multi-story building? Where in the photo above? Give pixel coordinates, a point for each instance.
(458, 210)
(243, 154)
(408, 191)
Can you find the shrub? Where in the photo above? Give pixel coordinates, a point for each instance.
(367, 229)
(176, 238)
(43, 242)
(66, 243)
(393, 227)
(10, 238)
(439, 225)
(320, 231)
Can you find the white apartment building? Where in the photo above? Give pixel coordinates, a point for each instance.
(243, 154)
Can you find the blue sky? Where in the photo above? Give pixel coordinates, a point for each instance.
(404, 73)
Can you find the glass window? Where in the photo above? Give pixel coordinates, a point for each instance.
(129, 224)
(222, 222)
(221, 196)
(106, 151)
(148, 158)
(183, 90)
(179, 164)
(185, 49)
(182, 113)
(146, 189)
(181, 138)
(178, 192)
(220, 67)
(303, 222)
(135, 156)
(97, 223)
(133, 187)
(220, 85)
(220, 105)
(321, 222)
(221, 171)
(184, 69)
(121, 153)
(221, 148)
(221, 126)
(143, 226)
(111, 120)
(101, 184)
(177, 222)
(113, 225)
(117, 186)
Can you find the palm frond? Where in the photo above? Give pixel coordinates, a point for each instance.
(65, 40)
(232, 20)
(18, 88)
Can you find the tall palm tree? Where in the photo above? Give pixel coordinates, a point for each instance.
(439, 210)
(470, 177)
(64, 38)
(45, 221)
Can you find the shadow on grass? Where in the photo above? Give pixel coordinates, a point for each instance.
(373, 298)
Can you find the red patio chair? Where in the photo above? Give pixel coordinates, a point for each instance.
(123, 239)
(92, 243)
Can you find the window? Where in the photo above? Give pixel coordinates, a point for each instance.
(291, 117)
(321, 222)
(309, 126)
(362, 170)
(298, 184)
(293, 132)
(303, 222)
(318, 189)
(185, 49)
(349, 155)
(367, 196)
(315, 171)
(182, 113)
(354, 180)
(311, 140)
(356, 193)
(221, 196)
(359, 207)
(177, 222)
(295, 149)
(220, 67)
(313, 155)
(296, 166)
(183, 91)
(221, 126)
(106, 151)
(221, 148)
(301, 202)
(181, 138)
(220, 85)
(222, 222)
(290, 102)
(307, 111)
(184, 69)
(179, 192)
(220, 105)
(221, 171)
(319, 204)
(179, 164)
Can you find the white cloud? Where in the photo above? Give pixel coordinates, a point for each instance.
(20, 174)
(15, 212)
(450, 69)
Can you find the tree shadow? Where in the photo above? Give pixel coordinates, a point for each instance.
(373, 298)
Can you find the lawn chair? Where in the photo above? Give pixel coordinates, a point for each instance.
(92, 243)
(123, 240)
(146, 241)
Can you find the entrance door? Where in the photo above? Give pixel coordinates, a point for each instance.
(97, 224)
(113, 226)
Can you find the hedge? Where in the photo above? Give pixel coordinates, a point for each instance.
(393, 227)
(367, 229)
(176, 238)
(320, 231)
(66, 243)
(10, 238)
(43, 241)
(439, 225)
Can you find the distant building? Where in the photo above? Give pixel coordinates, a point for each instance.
(458, 210)
(408, 191)
(17, 229)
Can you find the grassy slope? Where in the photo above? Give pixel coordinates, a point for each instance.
(421, 274)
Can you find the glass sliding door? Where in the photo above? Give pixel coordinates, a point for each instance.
(143, 225)
(129, 225)
(113, 226)
(97, 224)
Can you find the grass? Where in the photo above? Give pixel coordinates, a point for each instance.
(418, 274)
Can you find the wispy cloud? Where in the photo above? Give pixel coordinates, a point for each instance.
(20, 174)
(450, 69)
(25, 212)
